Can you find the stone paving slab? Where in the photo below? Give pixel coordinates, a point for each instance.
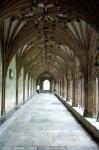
(52, 148)
(18, 148)
(45, 124)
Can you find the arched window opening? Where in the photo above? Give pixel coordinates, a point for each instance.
(46, 85)
(38, 87)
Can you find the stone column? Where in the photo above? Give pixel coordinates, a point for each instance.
(3, 93)
(94, 97)
(96, 73)
(17, 85)
(76, 93)
(28, 85)
(31, 86)
(98, 102)
(79, 98)
(65, 89)
(62, 87)
(59, 86)
(88, 104)
(81, 92)
(73, 93)
(4, 74)
(24, 76)
(68, 89)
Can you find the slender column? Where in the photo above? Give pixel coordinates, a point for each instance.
(31, 86)
(88, 105)
(63, 87)
(73, 103)
(17, 84)
(4, 73)
(58, 87)
(81, 92)
(3, 92)
(76, 93)
(28, 84)
(24, 76)
(74, 82)
(68, 89)
(17, 79)
(98, 102)
(94, 97)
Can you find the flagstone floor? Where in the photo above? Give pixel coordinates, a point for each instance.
(43, 123)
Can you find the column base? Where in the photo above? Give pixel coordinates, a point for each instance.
(87, 114)
(17, 107)
(98, 118)
(74, 104)
(3, 119)
(66, 99)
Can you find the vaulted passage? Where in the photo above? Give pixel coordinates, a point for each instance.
(45, 124)
(55, 41)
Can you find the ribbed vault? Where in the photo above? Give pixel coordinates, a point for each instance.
(47, 36)
(56, 40)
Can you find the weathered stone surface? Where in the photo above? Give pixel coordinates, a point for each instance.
(45, 124)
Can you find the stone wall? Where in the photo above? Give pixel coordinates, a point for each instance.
(10, 96)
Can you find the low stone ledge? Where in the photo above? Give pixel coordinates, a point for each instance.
(92, 130)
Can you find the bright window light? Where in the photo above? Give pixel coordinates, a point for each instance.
(46, 85)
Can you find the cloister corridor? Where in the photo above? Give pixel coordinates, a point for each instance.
(49, 74)
(43, 123)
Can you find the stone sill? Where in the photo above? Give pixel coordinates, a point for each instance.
(89, 124)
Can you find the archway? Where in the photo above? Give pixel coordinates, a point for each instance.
(46, 85)
(38, 87)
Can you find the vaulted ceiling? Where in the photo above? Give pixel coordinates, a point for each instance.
(49, 36)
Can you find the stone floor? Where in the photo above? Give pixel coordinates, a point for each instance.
(43, 123)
